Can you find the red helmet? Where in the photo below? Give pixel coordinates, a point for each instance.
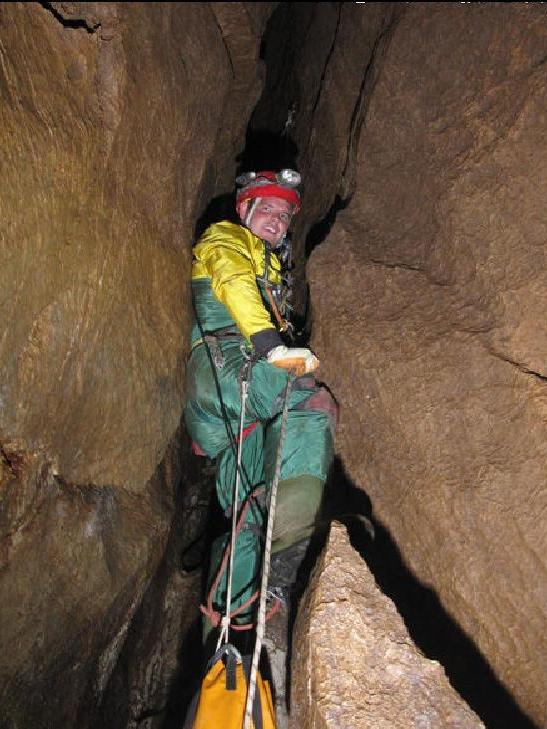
(269, 184)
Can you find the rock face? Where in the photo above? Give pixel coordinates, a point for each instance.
(429, 306)
(315, 99)
(354, 664)
(110, 122)
(118, 123)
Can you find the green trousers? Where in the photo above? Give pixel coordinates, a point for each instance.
(212, 419)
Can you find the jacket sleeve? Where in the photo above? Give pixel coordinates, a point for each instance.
(233, 280)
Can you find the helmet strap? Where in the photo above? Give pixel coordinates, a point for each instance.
(250, 211)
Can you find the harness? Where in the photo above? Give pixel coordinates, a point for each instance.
(213, 339)
(279, 294)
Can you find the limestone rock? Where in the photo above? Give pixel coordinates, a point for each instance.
(148, 683)
(118, 123)
(315, 99)
(354, 664)
(430, 327)
(110, 118)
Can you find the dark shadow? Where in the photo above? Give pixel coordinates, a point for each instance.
(315, 237)
(186, 682)
(70, 22)
(265, 150)
(320, 230)
(196, 508)
(435, 633)
(194, 554)
(220, 208)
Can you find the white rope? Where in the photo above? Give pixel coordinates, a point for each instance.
(225, 622)
(266, 565)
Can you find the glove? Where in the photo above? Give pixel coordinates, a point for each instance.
(297, 359)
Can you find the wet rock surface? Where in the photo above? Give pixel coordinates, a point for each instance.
(354, 664)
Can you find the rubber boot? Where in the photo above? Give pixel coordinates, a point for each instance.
(298, 503)
(284, 585)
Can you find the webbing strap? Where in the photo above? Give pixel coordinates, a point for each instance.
(223, 334)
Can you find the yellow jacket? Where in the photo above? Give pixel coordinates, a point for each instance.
(228, 260)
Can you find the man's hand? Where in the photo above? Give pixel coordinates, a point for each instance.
(297, 359)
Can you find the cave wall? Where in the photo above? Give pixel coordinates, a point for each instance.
(112, 115)
(119, 123)
(314, 102)
(428, 298)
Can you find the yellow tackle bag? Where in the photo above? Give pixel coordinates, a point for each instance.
(220, 702)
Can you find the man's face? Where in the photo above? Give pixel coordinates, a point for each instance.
(270, 218)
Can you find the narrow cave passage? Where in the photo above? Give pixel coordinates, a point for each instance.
(274, 140)
(419, 282)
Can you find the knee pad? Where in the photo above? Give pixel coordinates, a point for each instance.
(323, 401)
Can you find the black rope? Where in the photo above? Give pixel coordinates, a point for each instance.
(245, 479)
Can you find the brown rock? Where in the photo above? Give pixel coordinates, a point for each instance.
(316, 96)
(429, 324)
(118, 123)
(110, 117)
(354, 664)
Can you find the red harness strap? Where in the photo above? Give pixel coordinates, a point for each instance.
(197, 450)
(208, 609)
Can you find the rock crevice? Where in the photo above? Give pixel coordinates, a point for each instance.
(419, 131)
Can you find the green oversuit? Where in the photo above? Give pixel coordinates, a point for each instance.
(231, 271)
